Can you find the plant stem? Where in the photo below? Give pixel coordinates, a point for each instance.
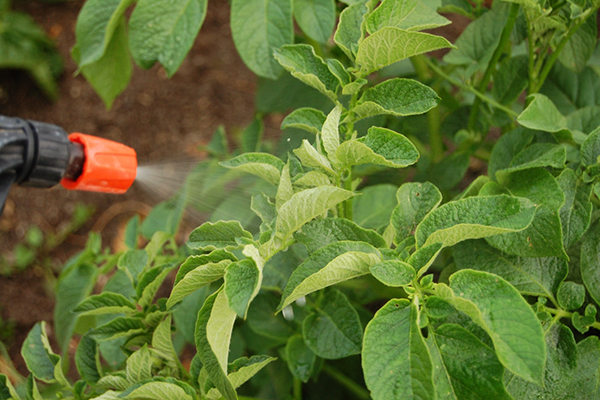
(504, 39)
(348, 383)
(468, 88)
(567, 314)
(297, 389)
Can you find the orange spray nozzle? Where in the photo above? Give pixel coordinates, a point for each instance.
(108, 167)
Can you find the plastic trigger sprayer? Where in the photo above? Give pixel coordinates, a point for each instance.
(37, 154)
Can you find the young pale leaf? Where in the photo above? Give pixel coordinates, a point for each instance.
(311, 157)
(306, 205)
(213, 333)
(105, 303)
(193, 262)
(415, 201)
(390, 45)
(327, 266)
(393, 273)
(339, 70)
(321, 232)
(38, 356)
(333, 330)
(263, 165)
(242, 283)
(300, 359)
(308, 119)
(139, 365)
(349, 32)
(150, 282)
(499, 309)
(412, 15)
(312, 179)
(576, 213)
(158, 391)
(399, 97)
(331, 132)
(473, 218)
(530, 276)
(316, 18)
(164, 31)
(541, 114)
(422, 259)
(302, 62)
(381, 146)
(163, 342)
(258, 28)
(118, 327)
(590, 261)
(96, 24)
(220, 235)
(468, 369)
(240, 371)
(197, 278)
(584, 385)
(395, 359)
(117, 382)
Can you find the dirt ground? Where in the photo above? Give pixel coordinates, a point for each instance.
(160, 118)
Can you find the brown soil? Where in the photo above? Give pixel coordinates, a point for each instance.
(159, 117)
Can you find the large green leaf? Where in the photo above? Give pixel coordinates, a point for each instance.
(580, 46)
(373, 207)
(38, 355)
(240, 371)
(531, 276)
(327, 266)
(395, 359)
(118, 327)
(536, 155)
(570, 91)
(264, 165)
(300, 359)
(499, 309)
(576, 213)
(590, 149)
(321, 232)
(510, 80)
(586, 380)
(473, 218)
(590, 261)
(333, 329)
(507, 147)
(415, 201)
(399, 97)
(7, 391)
(393, 273)
(164, 31)
(258, 28)
(105, 303)
(412, 15)
(139, 365)
(390, 45)
(316, 18)
(381, 146)
(466, 368)
(158, 391)
(309, 119)
(87, 360)
(220, 235)
(242, 283)
(542, 114)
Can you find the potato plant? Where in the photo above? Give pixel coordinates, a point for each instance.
(349, 287)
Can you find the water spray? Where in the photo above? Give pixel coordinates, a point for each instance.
(37, 154)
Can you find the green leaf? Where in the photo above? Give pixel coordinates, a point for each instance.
(422, 259)
(258, 28)
(306, 205)
(220, 235)
(316, 18)
(105, 303)
(381, 146)
(252, 134)
(118, 327)
(150, 282)
(499, 309)
(349, 32)
(165, 31)
(133, 263)
(399, 97)
(510, 80)
(242, 283)
(590, 149)
(311, 157)
(73, 285)
(571, 295)
(87, 360)
(285, 191)
(393, 273)
(300, 359)
(587, 375)
(241, 370)
(390, 45)
(331, 133)
(158, 391)
(541, 114)
(395, 359)
(507, 147)
(333, 330)
(580, 46)
(412, 15)
(302, 62)
(473, 218)
(139, 365)
(373, 208)
(475, 46)
(576, 213)
(321, 232)
(263, 321)
(530, 276)
(132, 232)
(97, 22)
(327, 266)
(536, 155)
(193, 262)
(312, 179)
(466, 369)
(308, 119)
(213, 333)
(584, 120)
(113, 381)
(110, 74)
(38, 356)
(570, 91)
(7, 391)
(262, 206)
(263, 165)
(415, 201)
(590, 261)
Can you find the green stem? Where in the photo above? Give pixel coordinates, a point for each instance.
(297, 389)
(348, 383)
(468, 88)
(504, 39)
(567, 314)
